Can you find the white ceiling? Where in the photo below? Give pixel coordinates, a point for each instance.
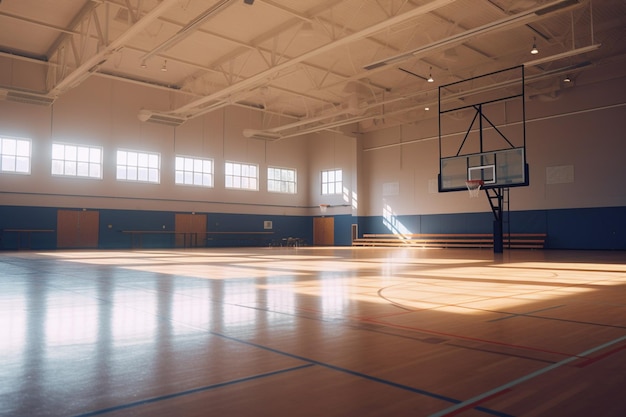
(308, 65)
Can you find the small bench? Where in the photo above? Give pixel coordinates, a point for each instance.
(27, 234)
(240, 238)
(445, 240)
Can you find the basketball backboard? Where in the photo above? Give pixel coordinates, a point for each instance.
(482, 131)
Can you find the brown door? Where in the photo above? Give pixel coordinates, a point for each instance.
(323, 231)
(190, 230)
(77, 228)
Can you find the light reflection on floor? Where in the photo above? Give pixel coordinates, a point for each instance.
(91, 324)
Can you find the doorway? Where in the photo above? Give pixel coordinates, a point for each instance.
(190, 230)
(323, 231)
(77, 229)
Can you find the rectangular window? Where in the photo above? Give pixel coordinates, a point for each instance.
(281, 180)
(138, 166)
(15, 155)
(241, 176)
(76, 161)
(332, 182)
(194, 171)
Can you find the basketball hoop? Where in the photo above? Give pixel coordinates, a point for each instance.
(473, 186)
(324, 207)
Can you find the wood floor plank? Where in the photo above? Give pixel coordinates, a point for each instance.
(313, 332)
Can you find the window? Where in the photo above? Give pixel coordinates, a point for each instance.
(76, 160)
(138, 166)
(15, 155)
(194, 171)
(281, 180)
(242, 176)
(332, 182)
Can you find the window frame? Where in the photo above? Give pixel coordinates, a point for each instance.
(15, 157)
(89, 163)
(325, 183)
(282, 182)
(193, 171)
(138, 155)
(240, 177)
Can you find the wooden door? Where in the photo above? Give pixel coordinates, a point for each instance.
(77, 228)
(323, 231)
(190, 230)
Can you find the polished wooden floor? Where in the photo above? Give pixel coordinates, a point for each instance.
(313, 332)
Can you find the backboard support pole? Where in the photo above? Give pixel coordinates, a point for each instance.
(495, 198)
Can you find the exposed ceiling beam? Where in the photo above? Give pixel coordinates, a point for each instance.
(189, 28)
(507, 22)
(192, 108)
(92, 63)
(36, 23)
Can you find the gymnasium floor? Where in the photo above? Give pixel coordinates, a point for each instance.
(313, 332)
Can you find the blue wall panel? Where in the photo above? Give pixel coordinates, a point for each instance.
(590, 228)
(343, 229)
(586, 228)
(40, 218)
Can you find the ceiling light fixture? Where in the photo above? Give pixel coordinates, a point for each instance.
(143, 65)
(164, 67)
(534, 51)
(566, 54)
(190, 28)
(567, 79)
(430, 76)
(510, 21)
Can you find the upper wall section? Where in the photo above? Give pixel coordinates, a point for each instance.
(103, 112)
(575, 151)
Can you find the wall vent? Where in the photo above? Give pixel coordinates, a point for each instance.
(23, 97)
(164, 119)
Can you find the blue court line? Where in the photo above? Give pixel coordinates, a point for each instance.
(518, 381)
(524, 314)
(188, 392)
(360, 375)
(309, 362)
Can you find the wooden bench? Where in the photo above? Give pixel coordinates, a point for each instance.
(27, 234)
(445, 240)
(196, 239)
(240, 238)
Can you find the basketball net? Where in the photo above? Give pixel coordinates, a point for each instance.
(473, 186)
(323, 208)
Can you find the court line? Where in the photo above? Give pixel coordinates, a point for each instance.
(189, 392)
(448, 411)
(369, 377)
(310, 362)
(475, 339)
(527, 313)
(342, 370)
(469, 406)
(600, 357)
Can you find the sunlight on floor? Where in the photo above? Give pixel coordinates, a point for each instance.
(462, 286)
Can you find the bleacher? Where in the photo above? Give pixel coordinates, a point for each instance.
(445, 240)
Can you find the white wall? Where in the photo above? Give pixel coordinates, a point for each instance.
(583, 129)
(103, 112)
(326, 151)
(395, 168)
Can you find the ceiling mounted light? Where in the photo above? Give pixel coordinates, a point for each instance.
(143, 65)
(164, 67)
(567, 79)
(430, 76)
(534, 51)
